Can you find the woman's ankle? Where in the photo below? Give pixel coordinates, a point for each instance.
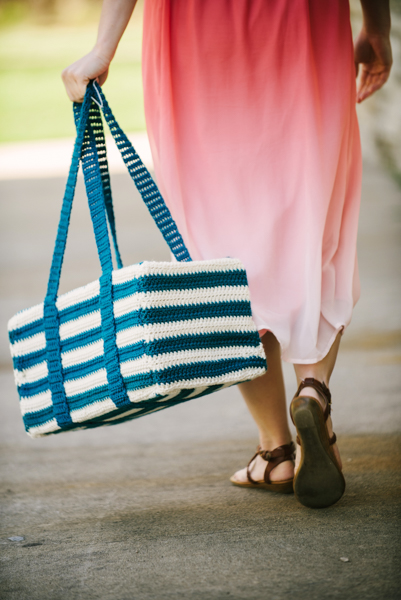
(269, 442)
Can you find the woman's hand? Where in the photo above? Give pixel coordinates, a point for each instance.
(373, 58)
(77, 76)
(95, 65)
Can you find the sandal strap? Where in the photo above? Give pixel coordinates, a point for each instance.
(332, 440)
(321, 389)
(274, 458)
(248, 473)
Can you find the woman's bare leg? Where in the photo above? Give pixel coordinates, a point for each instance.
(322, 372)
(265, 398)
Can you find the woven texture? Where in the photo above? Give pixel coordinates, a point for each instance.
(141, 338)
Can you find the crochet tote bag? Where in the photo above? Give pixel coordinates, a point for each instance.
(140, 338)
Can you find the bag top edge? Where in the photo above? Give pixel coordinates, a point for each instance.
(120, 276)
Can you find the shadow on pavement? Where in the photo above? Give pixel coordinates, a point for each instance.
(145, 510)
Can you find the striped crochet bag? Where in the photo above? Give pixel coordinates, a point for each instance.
(141, 338)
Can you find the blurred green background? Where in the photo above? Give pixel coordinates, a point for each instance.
(38, 39)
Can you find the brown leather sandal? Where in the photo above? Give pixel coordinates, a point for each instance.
(274, 458)
(319, 481)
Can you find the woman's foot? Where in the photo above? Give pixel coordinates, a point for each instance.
(257, 469)
(318, 480)
(312, 393)
(264, 472)
(265, 398)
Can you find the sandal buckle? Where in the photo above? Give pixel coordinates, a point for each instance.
(266, 455)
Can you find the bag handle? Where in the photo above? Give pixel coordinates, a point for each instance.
(62, 231)
(141, 176)
(50, 313)
(97, 184)
(95, 191)
(99, 146)
(85, 150)
(143, 180)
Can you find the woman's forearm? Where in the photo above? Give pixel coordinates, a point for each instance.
(376, 16)
(114, 19)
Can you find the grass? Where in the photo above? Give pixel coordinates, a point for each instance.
(33, 103)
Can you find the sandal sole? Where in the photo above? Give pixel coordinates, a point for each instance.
(319, 482)
(281, 487)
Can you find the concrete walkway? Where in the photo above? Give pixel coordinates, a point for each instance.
(48, 158)
(145, 510)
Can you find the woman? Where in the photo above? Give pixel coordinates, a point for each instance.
(250, 109)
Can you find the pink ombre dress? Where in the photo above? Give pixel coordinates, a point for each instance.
(250, 108)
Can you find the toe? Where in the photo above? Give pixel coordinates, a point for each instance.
(240, 476)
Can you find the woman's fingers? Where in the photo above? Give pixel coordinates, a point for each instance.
(365, 84)
(75, 87)
(77, 76)
(373, 60)
(370, 81)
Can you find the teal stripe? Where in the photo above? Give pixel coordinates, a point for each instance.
(81, 340)
(89, 397)
(146, 283)
(41, 417)
(26, 331)
(38, 418)
(126, 289)
(82, 369)
(169, 375)
(156, 315)
(179, 281)
(67, 314)
(154, 348)
(79, 310)
(147, 315)
(31, 389)
(29, 360)
(203, 341)
(169, 314)
(205, 369)
(131, 352)
(146, 407)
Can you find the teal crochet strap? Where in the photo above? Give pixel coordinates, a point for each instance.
(86, 150)
(95, 119)
(96, 192)
(96, 196)
(98, 145)
(143, 181)
(50, 313)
